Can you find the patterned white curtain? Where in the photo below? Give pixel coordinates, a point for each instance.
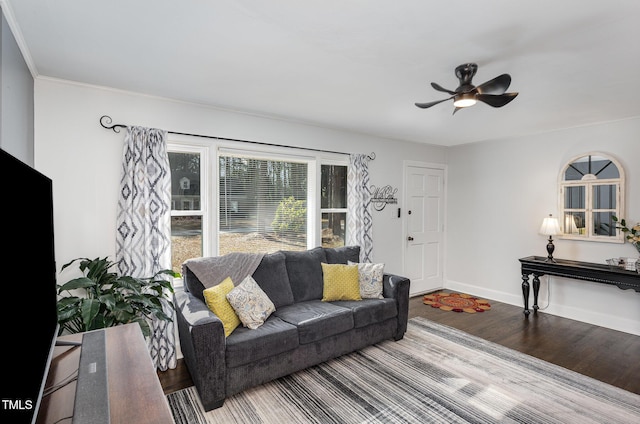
(359, 230)
(143, 236)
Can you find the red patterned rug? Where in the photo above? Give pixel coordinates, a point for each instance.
(456, 302)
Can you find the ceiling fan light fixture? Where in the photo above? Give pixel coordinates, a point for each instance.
(464, 100)
(492, 92)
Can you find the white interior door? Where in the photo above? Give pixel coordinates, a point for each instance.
(424, 224)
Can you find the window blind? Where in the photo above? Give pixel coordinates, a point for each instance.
(263, 204)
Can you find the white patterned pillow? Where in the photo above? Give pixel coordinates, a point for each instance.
(251, 303)
(370, 279)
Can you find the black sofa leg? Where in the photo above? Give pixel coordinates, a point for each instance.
(213, 405)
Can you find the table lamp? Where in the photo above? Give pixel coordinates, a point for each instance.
(550, 227)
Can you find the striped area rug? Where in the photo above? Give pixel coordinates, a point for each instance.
(436, 374)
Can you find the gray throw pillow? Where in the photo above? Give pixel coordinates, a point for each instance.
(250, 303)
(370, 279)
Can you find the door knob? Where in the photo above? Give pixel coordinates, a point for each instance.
(410, 238)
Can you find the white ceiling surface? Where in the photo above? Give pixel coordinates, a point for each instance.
(353, 65)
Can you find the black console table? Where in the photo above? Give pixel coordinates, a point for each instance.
(598, 273)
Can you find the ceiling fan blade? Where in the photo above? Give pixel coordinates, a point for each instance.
(456, 109)
(426, 105)
(498, 85)
(440, 88)
(496, 100)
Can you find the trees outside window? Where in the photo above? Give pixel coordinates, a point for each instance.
(262, 205)
(333, 204)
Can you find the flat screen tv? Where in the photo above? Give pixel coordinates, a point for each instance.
(29, 326)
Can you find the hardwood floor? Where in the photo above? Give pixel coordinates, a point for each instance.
(606, 355)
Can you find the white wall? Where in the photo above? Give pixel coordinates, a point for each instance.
(500, 191)
(83, 159)
(16, 98)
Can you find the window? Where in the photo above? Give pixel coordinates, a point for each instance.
(263, 204)
(333, 204)
(591, 193)
(187, 200)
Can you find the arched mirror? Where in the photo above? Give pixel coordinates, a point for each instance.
(591, 192)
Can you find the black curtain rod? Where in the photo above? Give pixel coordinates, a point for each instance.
(106, 122)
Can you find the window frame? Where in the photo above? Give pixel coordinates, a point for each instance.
(209, 184)
(332, 162)
(588, 210)
(204, 211)
(274, 155)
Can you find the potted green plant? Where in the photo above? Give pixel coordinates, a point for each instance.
(102, 298)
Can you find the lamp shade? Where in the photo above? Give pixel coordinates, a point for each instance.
(550, 226)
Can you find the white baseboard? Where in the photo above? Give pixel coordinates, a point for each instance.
(486, 293)
(585, 315)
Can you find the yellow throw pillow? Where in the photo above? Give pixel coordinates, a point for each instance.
(216, 298)
(340, 282)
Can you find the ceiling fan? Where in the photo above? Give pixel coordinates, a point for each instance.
(492, 92)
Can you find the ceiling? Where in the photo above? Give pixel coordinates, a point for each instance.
(356, 65)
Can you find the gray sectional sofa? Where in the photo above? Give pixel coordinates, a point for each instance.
(303, 330)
